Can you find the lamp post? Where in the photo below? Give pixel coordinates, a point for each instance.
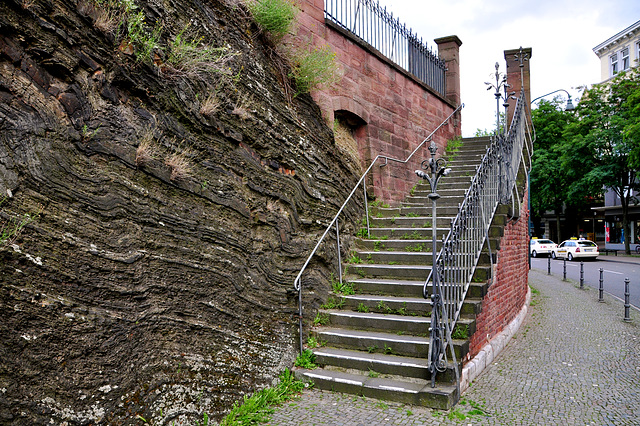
(569, 106)
(438, 170)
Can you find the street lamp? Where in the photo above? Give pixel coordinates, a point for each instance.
(436, 347)
(569, 106)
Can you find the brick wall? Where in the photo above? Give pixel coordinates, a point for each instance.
(399, 110)
(508, 290)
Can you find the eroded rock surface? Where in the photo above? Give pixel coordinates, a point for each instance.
(142, 288)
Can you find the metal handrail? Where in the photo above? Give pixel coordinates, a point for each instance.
(297, 282)
(493, 184)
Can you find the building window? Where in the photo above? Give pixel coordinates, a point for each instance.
(614, 64)
(625, 58)
(637, 53)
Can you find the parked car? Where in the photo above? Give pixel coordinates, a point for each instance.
(541, 246)
(571, 249)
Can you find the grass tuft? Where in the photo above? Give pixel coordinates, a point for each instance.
(257, 408)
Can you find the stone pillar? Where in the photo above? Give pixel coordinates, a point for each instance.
(518, 77)
(449, 50)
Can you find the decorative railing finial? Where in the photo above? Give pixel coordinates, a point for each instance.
(501, 84)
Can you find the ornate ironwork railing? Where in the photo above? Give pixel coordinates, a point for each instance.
(494, 183)
(297, 284)
(367, 20)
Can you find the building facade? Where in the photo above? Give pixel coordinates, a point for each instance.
(619, 53)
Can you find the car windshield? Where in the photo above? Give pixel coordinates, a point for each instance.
(586, 244)
(545, 242)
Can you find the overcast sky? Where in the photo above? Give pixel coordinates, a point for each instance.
(562, 34)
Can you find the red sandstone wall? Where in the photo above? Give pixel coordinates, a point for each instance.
(399, 111)
(507, 293)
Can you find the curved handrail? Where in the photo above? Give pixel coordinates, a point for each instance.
(297, 285)
(296, 282)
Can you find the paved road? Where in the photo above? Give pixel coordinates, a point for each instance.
(615, 270)
(573, 362)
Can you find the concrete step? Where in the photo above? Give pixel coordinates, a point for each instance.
(402, 325)
(378, 245)
(444, 200)
(401, 222)
(386, 304)
(390, 271)
(396, 287)
(393, 323)
(416, 257)
(408, 233)
(415, 392)
(425, 210)
(381, 342)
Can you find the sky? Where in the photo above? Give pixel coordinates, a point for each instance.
(561, 33)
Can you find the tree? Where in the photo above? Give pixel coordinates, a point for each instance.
(549, 180)
(602, 150)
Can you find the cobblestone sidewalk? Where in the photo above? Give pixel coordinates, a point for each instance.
(573, 362)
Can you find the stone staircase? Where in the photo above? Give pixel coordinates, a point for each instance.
(375, 341)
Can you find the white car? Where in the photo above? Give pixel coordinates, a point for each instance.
(541, 246)
(572, 249)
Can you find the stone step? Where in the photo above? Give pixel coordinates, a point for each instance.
(390, 271)
(388, 322)
(444, 200)
(416, 257)
(378, 245)
(407, 305)
(387, 303)
(400, 222)
(425, 210)
(415, 392)
(381, 342)
(407, 233)
(405, 324)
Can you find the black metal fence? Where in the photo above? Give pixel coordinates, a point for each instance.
(370, 22)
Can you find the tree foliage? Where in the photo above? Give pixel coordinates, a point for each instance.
(549, 179)
(602, 145)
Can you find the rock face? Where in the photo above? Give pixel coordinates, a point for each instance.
(177, 203)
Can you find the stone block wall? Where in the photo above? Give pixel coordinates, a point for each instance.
(398, 111)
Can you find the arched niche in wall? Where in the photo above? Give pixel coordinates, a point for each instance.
(350, 135)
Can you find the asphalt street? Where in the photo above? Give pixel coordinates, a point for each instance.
(614, 271)
(574, 361)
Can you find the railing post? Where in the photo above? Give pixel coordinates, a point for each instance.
(627, 305)
(339, 251)
(436, 346)
(564, 269)
(366, 205)
(581, 274)
(601, 286)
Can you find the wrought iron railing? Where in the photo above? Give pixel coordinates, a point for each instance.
(367, 20)
(494, 183)
(334, 222)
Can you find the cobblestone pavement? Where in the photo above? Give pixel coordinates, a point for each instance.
(573, 362)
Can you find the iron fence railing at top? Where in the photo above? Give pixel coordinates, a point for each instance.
(373, 24)
(493, 184)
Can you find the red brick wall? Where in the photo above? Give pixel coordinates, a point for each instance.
(508, 291)
(398, 110)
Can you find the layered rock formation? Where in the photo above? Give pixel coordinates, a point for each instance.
(176, 205)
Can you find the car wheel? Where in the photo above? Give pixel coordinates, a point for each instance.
(569, 257)
(534, 254)
(553, 255)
